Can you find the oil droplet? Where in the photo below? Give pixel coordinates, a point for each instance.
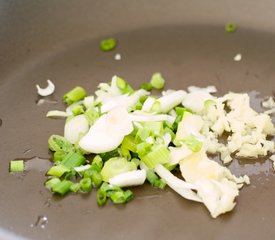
(48, 202)
(153, 196)
(41, 222)
(37, 164)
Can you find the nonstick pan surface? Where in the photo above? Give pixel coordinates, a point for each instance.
(59, 41)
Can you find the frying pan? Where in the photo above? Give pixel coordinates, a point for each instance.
(186, 41)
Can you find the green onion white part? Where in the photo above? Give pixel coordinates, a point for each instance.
(128, 179)
(47, 90)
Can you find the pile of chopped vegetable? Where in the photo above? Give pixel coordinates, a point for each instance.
(120, 137)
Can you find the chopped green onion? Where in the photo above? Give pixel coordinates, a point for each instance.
(115, 166)
(125, 153)
(75, 187)
(155, 127)
(59, 143)
(154, 180)
(129, 143)
(101, 197)
(151, 177)
(193, 143)
(59, 155)
(51, 182)
(161, 184)
(123, 85)
(157, 81)
(97, 163)
(17, 166)
(72, 160)
(118, 197)
(156, 108)
(159, 155)
(96, 179)
(86, 184)
(91, 115)
(74, 95)
(143, 148)
(230, 27)
(57, 171)
(108, 44)
(142, 134)
(135, 161)
(77, 109)
(62, 187)
(69, 175)
(107, 155)
(146, 86)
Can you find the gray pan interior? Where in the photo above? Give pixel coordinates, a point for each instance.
(186, 41)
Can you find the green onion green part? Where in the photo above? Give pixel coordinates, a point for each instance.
(91, 115)
(72, 160)
(146, 86)
(108, 44)
(115, 166)
(59, 155)
(157, 81)
(59, 143)
(193, 143)
(77, 109)
(101, 197)
(51, 182)
(75, 187)
(86, 184)
(230, 27)
(57, 171)
(17, 166)
(62, 187)
(75, 95)
(158, 155)
(123, 86)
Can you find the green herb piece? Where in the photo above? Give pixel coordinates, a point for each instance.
(97, 163)
(62, 187)
(59, 155)
(123, 85)
(108, 44)
(51, 182)
(86, 184)
(72, 160)
(129, 143)
(146, 86)
(57, 171)
(119, 197)
(158, 155)
(96, 179)
(77, 109)
(193, 143)
(59, 143)
(75, 187)
(157, 81)
(101, 197)
(91, 115)
(154, 180)
(17, 166)
(115, 166)
(74, 95)
(143, 148)
(230, 27)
